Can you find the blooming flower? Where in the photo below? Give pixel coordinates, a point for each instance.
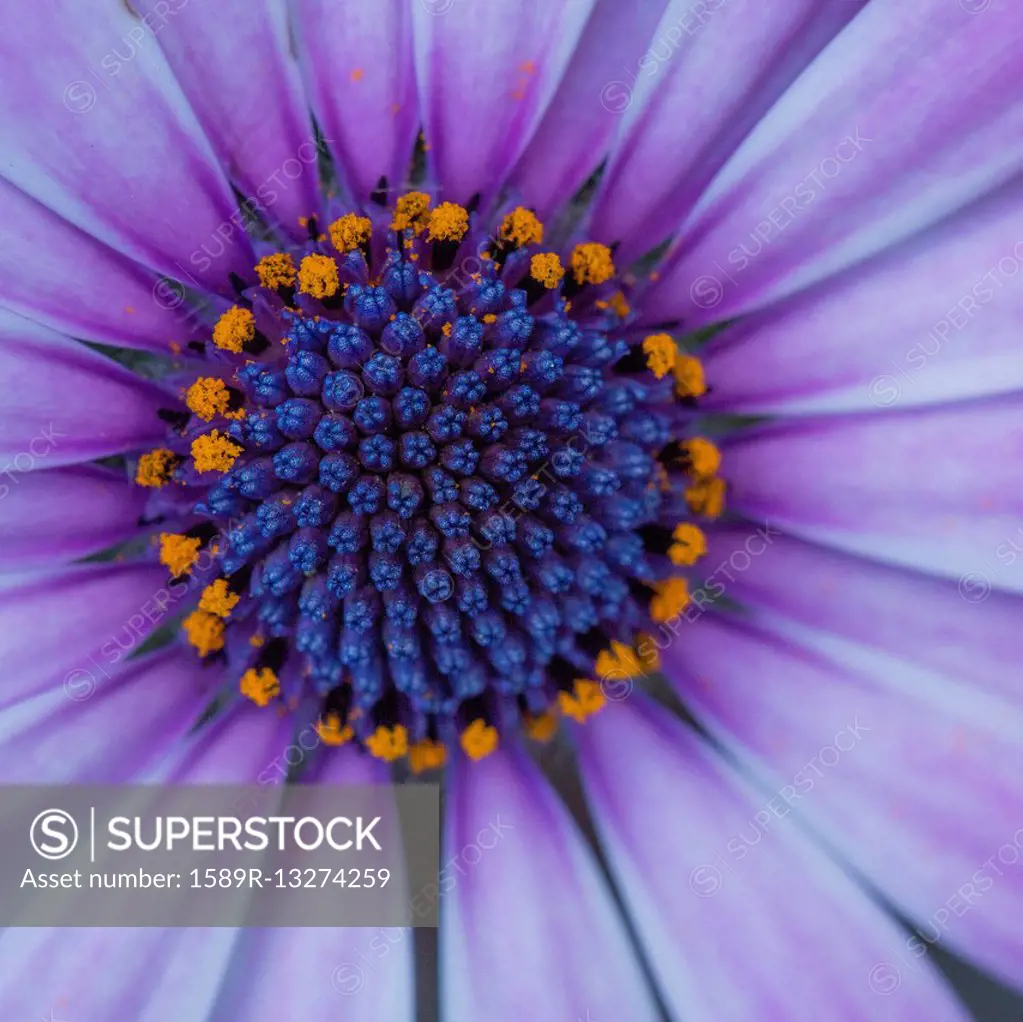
(440, 370)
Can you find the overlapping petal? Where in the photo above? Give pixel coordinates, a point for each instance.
(486, 73)
(863, 151)
(779, 933)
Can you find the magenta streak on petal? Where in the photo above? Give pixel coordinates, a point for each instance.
(707, 77)
(486, 74)
(862, 152)
(99, 131)
(934, 319)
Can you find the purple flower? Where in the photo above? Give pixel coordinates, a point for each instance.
(441, 370)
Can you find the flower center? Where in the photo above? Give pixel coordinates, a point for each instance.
(444, 486)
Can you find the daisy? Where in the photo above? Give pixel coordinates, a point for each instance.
(455, 389)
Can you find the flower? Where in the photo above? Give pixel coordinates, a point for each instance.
(510, 368)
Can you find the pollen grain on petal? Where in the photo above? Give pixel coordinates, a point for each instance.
(208, 397)
(318, 276)
(218, 599)
(350, 232)
(214, 452)
(276, 270)
(448, 222)
(388, 743)
(234, 329)
(707, 497)
(410, 212)
(592, 263)
(661, 353)
(156, 467)
(689, 378)
(670, 599)
(426, 755)
(585, 699)
(479, 740)
(332, 732)
(260, 685)
(178, 553)
(688, 546)
(547, 269)
(521, 227)
(542, 727)
(204, 631)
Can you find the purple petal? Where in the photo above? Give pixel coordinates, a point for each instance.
(486, 74)
(892, 766)
(57, 515)
(725, 66)
(317, 972)
(93, 729)
(967, 634)
(58, 275)
(100, 612)
(779, 933)
(99, 131)
(66, 403)
(861, 153)
(936, 489)
(244, 87)
(578, 126)
(934, 320)
(161, 975)
(529, 930)
(358, 69)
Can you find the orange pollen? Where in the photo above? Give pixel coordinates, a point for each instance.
(620, 306)
(350, 232)
(490, 318)
(448, 222)
(204, 631)
(332, 732)
(214, 452)
(703, 459)
(234, 329)
(689, 380)
(690, 544)
(178, 553)
(426, 755)
(671, 599)
(208, 397)
(541, 728)
(317, 276)
(261, 686)
(387, 743)
(546, 267)
(410, 212)
(707, 497)
(276, 270)
(155, 467)
(479, 740)
(620, 661)
(592, 263)
(218, 599)
(661, 353)
(585, 699)
(522, 227)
